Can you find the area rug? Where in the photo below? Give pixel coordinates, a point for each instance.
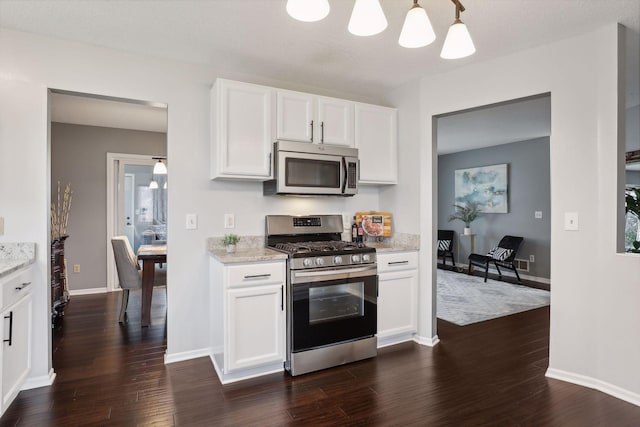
(464, 299)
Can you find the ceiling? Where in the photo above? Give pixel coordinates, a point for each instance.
(257, 37)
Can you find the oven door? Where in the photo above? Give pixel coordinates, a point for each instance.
(329, 308)
(308, 173)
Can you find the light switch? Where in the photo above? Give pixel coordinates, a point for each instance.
(571, 221)
(1, 226)
(192, 221)
(538, 215)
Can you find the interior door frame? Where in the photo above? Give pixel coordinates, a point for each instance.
(115, 202)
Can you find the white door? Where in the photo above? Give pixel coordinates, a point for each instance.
(335, 117)
(129, 205)
(397, 303)
(16, 355)
(376, 141)
(294, 111)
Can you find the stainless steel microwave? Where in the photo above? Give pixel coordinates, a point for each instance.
(304, 168)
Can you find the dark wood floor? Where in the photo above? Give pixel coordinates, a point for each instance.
(489, 373)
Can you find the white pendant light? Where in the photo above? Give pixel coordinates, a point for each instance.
(308, 10)
(367, 18)
(159, 168)
(458, 43)
(165, 186)
(153, 184)
(417, 30)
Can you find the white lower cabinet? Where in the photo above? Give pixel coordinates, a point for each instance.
(15, 334)
(397, 297)
(255, 325)
(247, 318)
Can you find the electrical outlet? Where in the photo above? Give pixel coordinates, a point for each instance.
(76, 268)
(229, 220)
(538, 215)
(571, 221)
(532, 258)
(192, 221)
(1, 226)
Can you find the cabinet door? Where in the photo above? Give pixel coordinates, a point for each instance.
(295, 117)
(255, 319)
(16, 356)
(242, 122)
(397, 303)
(335, 121)
(376, 138)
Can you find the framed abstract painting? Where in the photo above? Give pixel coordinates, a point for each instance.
(486, 185)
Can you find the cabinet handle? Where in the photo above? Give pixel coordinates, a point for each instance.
(397, 262)
(281, 297)
(10, 317)
(270, 163)
(311, 130)
(322, 132)
(22, 286)
(258, 276)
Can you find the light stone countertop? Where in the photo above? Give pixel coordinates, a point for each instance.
(246, 255)
(14, 256)
(400, 242)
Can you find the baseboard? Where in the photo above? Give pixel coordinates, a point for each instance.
(508, 273)
(428, 341)
(394, 339)
(243, 374)
(89, 291)
(37, 382)
(596, 384)
(186, 355)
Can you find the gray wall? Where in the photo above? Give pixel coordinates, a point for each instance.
(79, 156)
(632, 177)
(528, 191)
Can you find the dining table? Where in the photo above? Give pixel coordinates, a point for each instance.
(150, 255)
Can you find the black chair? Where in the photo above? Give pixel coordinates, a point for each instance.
(445, 246)
(502, 255)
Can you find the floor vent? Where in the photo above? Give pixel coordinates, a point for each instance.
(522, 264)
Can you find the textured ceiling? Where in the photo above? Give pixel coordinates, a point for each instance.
(258, 37)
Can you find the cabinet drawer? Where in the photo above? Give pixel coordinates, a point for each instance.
(395, 261)
(15, 287)
(254, 274)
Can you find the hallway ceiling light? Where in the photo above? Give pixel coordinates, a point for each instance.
(458, 43)
(308, 10)
(367, 19)
(159, 168)
(153, 184)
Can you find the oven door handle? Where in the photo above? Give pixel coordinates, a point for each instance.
(333, 274)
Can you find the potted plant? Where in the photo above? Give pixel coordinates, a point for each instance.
(230, 241)
(467, 214)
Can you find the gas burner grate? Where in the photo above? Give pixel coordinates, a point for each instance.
(326, 246)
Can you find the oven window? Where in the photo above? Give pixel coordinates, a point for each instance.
(329, 303)
(312, 173)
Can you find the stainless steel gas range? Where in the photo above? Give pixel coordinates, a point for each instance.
(332, 289)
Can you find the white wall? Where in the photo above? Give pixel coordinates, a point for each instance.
(47, 63)
(594, 314)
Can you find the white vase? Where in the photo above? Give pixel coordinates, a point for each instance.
(467, 231)
(231, 249)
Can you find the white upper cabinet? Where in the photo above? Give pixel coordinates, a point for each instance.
(295, 114)
(242, 126)
(317, 119)
(335, 117)
(376, 137)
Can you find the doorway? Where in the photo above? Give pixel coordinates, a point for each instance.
(498, 157)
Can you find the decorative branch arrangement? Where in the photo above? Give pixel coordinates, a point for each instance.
(60, 213)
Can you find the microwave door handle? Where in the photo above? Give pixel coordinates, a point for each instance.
(345, 175)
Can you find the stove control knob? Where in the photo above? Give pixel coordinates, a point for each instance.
(355, 258)
(337, 260)
(319, 261)
(366, 258)
(307, 262)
